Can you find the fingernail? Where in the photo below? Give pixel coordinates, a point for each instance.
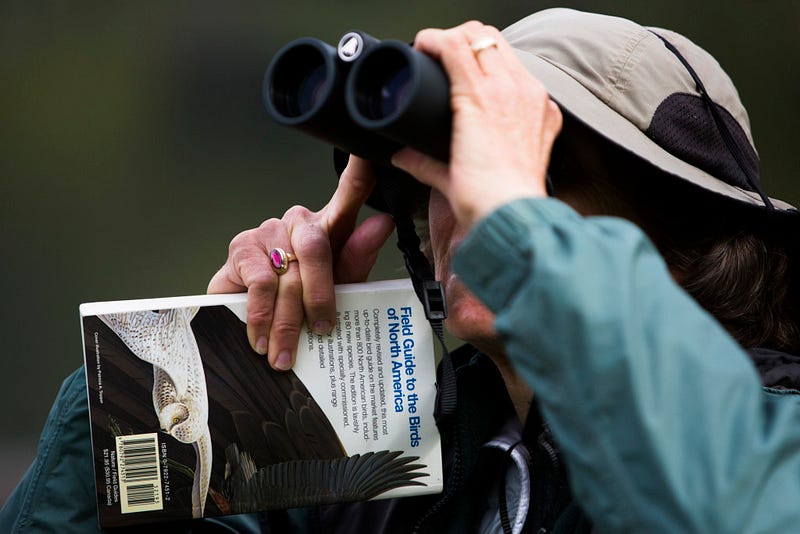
(322, 327)
(284, 361)
(261, 345)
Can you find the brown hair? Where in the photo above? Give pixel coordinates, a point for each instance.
(726, 255)
(743, 280)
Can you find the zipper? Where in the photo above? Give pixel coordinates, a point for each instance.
(546, 442)
(456, 474)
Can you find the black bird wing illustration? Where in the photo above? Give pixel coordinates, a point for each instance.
(270, 414)
(281, 436)
(315, 482)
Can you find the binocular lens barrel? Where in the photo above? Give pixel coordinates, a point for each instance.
(402, 94)
(303, 88)
(300, 96)
(300, 78)
(382, 87)
(369, 98)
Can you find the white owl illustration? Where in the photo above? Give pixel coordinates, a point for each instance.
(165, 340)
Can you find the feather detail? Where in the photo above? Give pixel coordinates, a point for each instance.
(315, 482)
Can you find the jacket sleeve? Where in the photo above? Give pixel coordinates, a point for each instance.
(658, 412)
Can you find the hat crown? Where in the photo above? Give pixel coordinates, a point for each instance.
(639, 88)
(624, 64)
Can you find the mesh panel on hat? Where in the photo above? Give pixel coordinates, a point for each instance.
(683, 126)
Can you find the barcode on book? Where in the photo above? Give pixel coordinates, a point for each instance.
(139, 473)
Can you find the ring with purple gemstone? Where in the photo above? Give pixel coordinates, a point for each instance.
(280, 260)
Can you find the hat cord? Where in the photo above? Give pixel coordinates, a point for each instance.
(733, 147)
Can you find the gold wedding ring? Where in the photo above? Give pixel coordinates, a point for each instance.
(482, 44)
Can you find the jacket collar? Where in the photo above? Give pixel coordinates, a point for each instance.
(778, 370)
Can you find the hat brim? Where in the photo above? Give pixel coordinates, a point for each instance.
(594, 113)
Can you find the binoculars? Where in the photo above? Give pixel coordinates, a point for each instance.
(366, 97)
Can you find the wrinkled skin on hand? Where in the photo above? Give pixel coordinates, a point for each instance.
(330, 248)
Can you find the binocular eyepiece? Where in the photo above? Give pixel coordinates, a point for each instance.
(366, 97)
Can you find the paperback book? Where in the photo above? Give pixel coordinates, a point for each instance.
(188, 421)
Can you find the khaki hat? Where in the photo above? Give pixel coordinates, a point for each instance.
(639, 88)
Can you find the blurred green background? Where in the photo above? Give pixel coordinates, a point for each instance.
(134, 146)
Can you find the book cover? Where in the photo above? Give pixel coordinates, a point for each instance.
(188, 421)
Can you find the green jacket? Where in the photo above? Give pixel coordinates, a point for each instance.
(659, 414)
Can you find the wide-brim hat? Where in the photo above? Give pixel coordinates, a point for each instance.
(622, 81)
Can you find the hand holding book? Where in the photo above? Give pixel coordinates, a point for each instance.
(330, 248)
(352, 421)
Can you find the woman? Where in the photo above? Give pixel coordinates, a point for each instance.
(596, 393)
(656, 409)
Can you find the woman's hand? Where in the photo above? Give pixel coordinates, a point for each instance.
(329, 249)
(504, 125)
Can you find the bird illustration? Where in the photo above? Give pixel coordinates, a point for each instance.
(280, 448)
(165, 340)
(315, 482)
(274, 445)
